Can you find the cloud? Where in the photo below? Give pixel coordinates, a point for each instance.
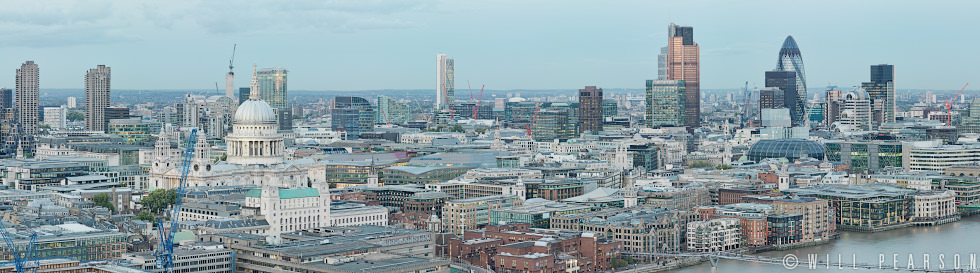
(68, 23)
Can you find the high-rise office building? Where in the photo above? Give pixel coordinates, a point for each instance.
(771, 98)
(353, 115)
(590, 109)
(790, 59)
(553, 123)
(27, 95)
(665, 103)
(243, 94)
(72, 102)
(6, 98)
(881, 90)
(445, 87)
(683, 64)
(230, 84)
(391, 110)
(97, 86)
(831, 105)
(662, 64)
(272, 84)
(786, 82)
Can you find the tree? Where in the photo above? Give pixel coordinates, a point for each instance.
(619, 263)
(103, 200)
(480, 130)
(159, 199)
(700, 164)
(457, 128)
(74, 116)
(145, 216)
(724, 167)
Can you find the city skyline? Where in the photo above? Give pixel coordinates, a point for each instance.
(391, 41)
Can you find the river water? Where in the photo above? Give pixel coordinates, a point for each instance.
(961, 238)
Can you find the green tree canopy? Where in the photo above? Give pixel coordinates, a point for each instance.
(103, 200)
(145, 216)
(74, 116)
(159, 199)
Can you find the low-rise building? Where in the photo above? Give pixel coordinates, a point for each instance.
(473, 213)
(537, 212)
(350, 214)
(713, 235)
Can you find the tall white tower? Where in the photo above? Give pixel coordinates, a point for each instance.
(445, 90)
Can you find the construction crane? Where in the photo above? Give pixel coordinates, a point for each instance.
(231, 61)
(949, 106)
(24, 261)
(165, 249)
(445, 92)
(479, 101)
(533, 118)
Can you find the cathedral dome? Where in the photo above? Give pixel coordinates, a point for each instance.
(255, 112)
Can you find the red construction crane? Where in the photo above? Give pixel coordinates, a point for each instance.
(533, 118)
(476, 107)
(949, 105)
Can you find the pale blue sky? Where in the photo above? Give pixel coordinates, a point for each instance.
(391, 44)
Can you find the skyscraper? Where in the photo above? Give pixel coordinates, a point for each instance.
(445, 91)
(27, 92)
(881, 91)
(353, 115)
(785, 97)
(771, 98)
(230, 84)
(662, 64)
(790, 59)
(6, 98)
(683, 64)
(590, 109)
(272, 85)
(97, 86)
(665, 103)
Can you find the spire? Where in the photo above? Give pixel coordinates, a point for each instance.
(254, 87)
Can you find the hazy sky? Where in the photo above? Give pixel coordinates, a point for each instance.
(391, 44)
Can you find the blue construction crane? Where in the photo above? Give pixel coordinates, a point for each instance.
(165, 250)
(24, 261)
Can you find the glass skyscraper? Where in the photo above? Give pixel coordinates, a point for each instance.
(445, 81)
(665, 103)
(683, 64)
(353, 115)
(881, 90)
(790, 59)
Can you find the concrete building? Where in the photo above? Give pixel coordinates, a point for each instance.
(818, 222)
(589, 109)
(349, 214)
(938, 158)
(368, 249)
(97, 97)
(713, 235)
(472, 213)
(536, 212)
(199, 257)
(27, 91)
(288, 210)
(935, 208)
(445, 82)
(55, 117)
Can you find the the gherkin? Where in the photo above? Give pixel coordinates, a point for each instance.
(790, 59)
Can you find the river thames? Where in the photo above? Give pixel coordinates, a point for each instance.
(962, 238)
